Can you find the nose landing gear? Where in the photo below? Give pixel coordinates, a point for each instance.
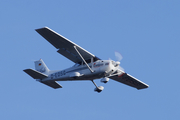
(98, 88)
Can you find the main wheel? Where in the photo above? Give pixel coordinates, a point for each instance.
(99, 89)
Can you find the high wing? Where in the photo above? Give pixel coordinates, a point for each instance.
(65, 47)
(129, 80)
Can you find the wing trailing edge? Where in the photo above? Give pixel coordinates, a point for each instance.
(130, 80)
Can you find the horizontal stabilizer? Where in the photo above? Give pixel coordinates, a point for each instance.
(52, 84)
(35, 74)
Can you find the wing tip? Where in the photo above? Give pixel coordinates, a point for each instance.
(42, 28)
(144, 87)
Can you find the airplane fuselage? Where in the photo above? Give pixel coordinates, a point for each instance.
(101, 68)
(87, 67)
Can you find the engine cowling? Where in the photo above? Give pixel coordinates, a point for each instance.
(105, 80)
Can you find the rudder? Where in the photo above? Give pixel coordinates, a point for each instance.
(41, 66)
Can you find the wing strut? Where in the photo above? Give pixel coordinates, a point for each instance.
(83, 59)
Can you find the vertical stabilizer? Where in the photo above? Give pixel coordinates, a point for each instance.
(41, 67)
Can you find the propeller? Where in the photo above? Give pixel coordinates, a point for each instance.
(118, 58)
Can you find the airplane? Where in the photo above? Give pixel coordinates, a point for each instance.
(87, 66)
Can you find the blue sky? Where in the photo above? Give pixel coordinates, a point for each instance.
(146, 33)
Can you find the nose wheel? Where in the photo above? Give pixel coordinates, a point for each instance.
(98, 88)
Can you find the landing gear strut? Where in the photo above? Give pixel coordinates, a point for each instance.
(98, 89)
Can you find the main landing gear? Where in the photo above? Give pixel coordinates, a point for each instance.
(98, 88)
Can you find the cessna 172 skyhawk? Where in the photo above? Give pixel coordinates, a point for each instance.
(87, 66)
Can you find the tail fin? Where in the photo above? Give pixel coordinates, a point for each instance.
(41, 66)
(42, 72)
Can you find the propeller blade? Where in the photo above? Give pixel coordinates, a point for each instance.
(118, 56)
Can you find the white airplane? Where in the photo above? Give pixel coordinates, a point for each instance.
(87, 66)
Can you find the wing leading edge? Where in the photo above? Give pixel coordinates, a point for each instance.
(65, 47)
(129, 80)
